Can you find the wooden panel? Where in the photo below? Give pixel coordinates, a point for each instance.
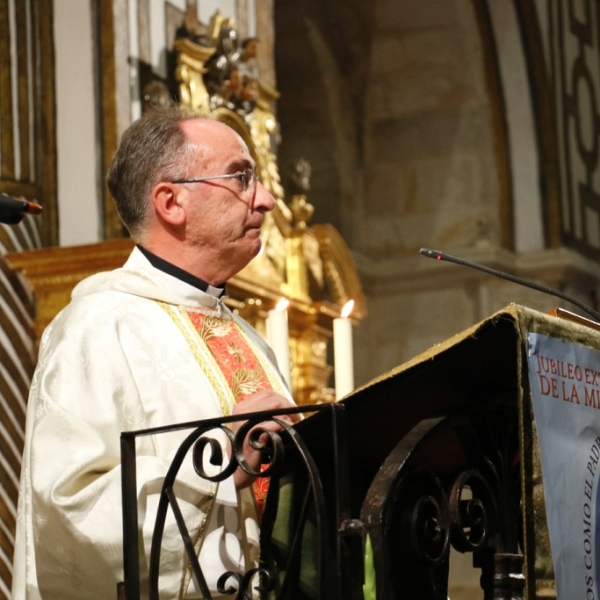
(17, 358)
(17, 188)
(32, 61)
(113, 228)
(47, 149)
(7, 161)
(23, 74)
(25, 236)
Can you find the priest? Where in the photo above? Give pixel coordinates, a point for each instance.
(147, 345)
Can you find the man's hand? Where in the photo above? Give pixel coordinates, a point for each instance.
(264, 400)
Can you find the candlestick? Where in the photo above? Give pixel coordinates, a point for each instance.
(278, 338)
(343, 352)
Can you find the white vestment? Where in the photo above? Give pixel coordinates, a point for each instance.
(122, 357)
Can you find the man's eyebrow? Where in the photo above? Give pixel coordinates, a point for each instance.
(240, 165)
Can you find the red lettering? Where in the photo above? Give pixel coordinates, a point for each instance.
(564, 392)
(574, 395)
(554, 383)
(590, 397)
(561, 369)
(544, 385)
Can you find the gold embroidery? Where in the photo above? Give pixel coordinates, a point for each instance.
(272, 375)
(235, 352)
(204, 359)
(246, 381)
(211, 327)
(209, 365)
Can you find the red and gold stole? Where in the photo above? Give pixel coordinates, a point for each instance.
(232, 363)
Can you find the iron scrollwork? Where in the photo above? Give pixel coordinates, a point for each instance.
(210, 462)
(448, 482)
(243, 582)
(416, 507)
(472, 518)
(424, 530)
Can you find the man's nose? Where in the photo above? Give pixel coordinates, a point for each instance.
(263, 200)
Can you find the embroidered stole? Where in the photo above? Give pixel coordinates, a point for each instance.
(234, 366)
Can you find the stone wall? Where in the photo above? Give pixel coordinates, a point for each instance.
(423, 130)
(410, 163)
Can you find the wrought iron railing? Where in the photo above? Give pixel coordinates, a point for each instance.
(452, 480)
(273, 455)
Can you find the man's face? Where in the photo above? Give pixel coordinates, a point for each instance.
(223, 219)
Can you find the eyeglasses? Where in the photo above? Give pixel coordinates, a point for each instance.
(247, 178)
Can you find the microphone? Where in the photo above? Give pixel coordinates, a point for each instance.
(530, 284)
(12, 210)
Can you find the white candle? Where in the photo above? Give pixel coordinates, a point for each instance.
(343, 356)
(278, 338)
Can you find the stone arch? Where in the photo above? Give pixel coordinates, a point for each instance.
(404, 122)
(321, 56)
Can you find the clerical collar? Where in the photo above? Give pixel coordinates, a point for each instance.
(169, 268)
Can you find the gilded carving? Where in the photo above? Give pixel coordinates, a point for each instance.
(190, 68)
(219, 76)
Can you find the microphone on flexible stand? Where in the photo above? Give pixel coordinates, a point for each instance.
(530, 284)
(13, 210)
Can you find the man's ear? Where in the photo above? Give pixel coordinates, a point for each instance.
(166, 205)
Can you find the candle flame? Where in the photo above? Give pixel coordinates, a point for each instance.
(282, 304)
(347, 309)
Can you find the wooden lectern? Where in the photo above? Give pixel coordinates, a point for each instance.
(439, 452)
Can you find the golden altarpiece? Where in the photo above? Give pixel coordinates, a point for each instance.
(311, 266)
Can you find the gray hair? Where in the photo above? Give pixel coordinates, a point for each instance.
(153, 149)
